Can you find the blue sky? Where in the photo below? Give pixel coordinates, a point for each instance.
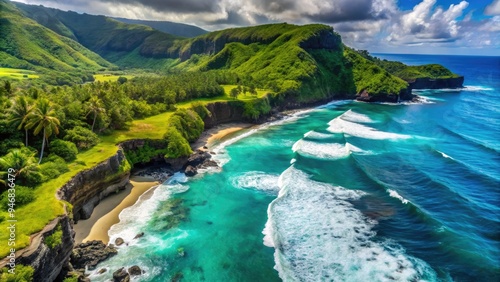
(463, 27)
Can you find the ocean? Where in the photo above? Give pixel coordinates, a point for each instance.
(348, 191)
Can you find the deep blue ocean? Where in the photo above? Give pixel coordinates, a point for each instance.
(348, 191)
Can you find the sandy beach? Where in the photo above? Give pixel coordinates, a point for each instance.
(213, 135)
(106, 214)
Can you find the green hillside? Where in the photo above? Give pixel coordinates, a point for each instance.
(106, 36)
(304, 62)
(307, 63)
(410, 73)
(178, 29)
(24, 44)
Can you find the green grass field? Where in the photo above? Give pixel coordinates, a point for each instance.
(109, 77)
(17, 73)
(35, 215)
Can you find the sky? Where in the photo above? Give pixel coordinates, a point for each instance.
(380, 26)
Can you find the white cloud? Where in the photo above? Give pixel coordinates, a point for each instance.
(493, 8)
(425, 23)
(363, 24)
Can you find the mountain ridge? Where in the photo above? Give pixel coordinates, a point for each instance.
(25, 44)
(304, 63)
(174, 28)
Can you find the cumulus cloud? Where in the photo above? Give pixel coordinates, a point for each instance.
(363, 24)
(493, 8)
(236, 12)
(427, 23)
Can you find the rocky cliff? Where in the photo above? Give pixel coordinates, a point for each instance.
(47, 261)
(89, 187)
(404, 95)
(223, 112)
(439, 83)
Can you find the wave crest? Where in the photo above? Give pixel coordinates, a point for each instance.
(318, 235)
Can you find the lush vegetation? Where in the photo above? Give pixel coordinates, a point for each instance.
(409, 73)
(372, 78)
(92, 119)
(58, 60)
(178, 29)
(54, 239)
(24, 273)
(17, 73)
(272, 56)
(55, 126)
(107, 37)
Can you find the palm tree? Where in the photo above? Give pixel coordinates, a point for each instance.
(43, 117)
(18, 114)
(21, 160)
(95, 107)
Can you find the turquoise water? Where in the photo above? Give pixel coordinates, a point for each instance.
(345, 192)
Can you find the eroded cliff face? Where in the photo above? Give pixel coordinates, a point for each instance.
(440, 83)
(325, 39)
(404, 95)
(47, 261)
(223, 112)
(89, 187)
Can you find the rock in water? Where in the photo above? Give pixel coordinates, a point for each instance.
(121, 275)
(190, 171)
(89, 254)
(197, 158)
(139, 235)
(135, 270)
(119, 241)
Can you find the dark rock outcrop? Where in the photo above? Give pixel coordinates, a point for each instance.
(139, 235)
(198, 158)
(134, 270)
(86, 189)
(119, 241)
(325, 39)
(440, 83)
(190, 171)
(89, 254)
(121, 275)
(47, 262)
(177, 163)
(404, 95)
(224, 112)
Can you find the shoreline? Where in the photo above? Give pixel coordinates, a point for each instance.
(107, 212)
(216, 133)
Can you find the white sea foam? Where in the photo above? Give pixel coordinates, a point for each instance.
(335, 103)
(330, 151)
(356, 117)
(444, 155)
(396, 195)
(317, 135)
(222, 158)
(257, 180)
(133, 218)
(319, 236)
(477, 88)
(339, 125)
